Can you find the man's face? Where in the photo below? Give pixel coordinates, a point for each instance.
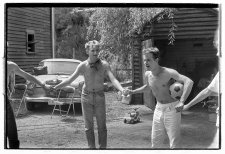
(149, 61)
(93, 51)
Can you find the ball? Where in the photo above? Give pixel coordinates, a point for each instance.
(176, 90)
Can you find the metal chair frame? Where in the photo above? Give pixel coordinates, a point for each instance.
(22, 99)
(60, 103)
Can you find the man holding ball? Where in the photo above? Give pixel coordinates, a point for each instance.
(167, 115)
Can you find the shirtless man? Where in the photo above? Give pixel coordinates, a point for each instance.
(167, 115)
(94, 71)
(11, 129)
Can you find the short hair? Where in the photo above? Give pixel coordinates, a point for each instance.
(153, 50)
(92, 43)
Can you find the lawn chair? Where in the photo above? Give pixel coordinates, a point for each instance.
(70, 92)
(24, 88)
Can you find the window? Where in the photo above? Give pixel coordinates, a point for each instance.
(30, 42)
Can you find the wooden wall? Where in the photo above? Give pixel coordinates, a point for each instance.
(193, 41)
(137, 77)
(191, 23)
(20, 19)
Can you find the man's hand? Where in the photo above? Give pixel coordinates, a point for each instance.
(125, 92)
(179, 106)
(186, 107)
(49, 87)
(130, 92)
(46, 87)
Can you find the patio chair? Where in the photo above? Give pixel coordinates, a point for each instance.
(70, 93)
(24, 88)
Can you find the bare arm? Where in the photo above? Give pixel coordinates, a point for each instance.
(71, 78)
(140, 90)
(112, 78)
(25, 75)
(188, 83)
(144, 87)
(211, 90)
(201, 96)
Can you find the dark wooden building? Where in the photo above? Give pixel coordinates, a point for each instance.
(28, 35)
(193, 53)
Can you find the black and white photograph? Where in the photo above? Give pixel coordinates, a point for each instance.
(112, 76)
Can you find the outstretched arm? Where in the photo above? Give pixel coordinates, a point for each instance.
(201, 96)
(211, 90)
(112, 78)
(140, 90)
(71, 78)
(25, 75)
(144, 88)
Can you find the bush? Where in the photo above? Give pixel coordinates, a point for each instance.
(115, 65)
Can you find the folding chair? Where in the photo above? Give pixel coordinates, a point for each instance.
(24, 88)
(70, 93)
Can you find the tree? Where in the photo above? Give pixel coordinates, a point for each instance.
(116, 26)
(71, 28)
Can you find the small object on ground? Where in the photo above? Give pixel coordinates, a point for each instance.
(126, 99)
(133, 117)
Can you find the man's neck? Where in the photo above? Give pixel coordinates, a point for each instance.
(94, 64)
(92, 60)
(156, 71)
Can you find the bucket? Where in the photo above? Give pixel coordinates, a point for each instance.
(126, 99)
(119, 96)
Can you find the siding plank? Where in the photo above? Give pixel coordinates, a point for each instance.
(190, 23)
(18, 21)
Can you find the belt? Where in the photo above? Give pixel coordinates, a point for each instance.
(92, 92)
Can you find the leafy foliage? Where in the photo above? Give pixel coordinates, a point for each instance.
(113, 27)
(71, 29)
(117, 26)
(110, 25)
(116, 65)
(170, 15)
(140, 16)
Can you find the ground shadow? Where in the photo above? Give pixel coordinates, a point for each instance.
(197, 132)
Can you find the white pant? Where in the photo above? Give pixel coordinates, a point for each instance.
(166, 121)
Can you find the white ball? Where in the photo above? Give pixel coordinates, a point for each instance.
(176, 90)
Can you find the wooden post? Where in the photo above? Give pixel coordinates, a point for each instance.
(74, 57)
(53, 32)
(137, 76)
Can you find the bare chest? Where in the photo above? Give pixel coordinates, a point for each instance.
(158, 83)
(94, 74)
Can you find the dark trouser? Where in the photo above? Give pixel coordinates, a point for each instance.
(11, 129)
(93, 103)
